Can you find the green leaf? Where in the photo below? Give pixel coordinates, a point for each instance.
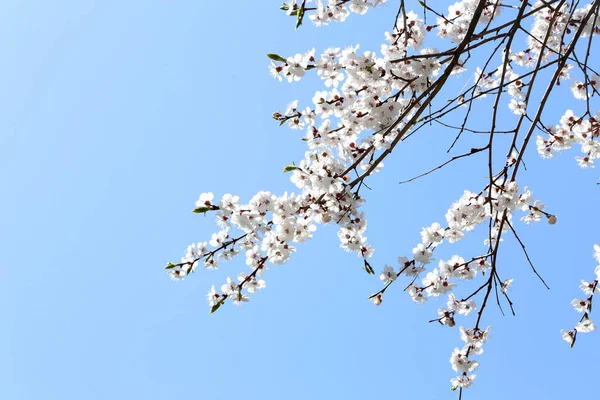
(216, 306)
(300, 16)
(421, 2)
(282, 122)
(201, 210)
(454, 388)
(290, 168)
(294, 13)
(284, 7)
(309, 67)
(170, 265)
(276, 57)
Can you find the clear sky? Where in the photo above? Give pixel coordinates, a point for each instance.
(116, 115)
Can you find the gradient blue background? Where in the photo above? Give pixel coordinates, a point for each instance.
(116, 115)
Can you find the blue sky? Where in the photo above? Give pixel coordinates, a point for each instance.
(117, 115)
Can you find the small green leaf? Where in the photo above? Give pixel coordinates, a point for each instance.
(305, 139)
(454, 388)
(309, 67)
(421, 2)
(300, 16)
(290, 168)
(294, 13)
(216, 306)
(276, 57)
(201, 210)
(170, 265)
(282, 122)
(284, 7)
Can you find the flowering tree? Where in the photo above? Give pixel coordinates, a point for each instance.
(514, 52)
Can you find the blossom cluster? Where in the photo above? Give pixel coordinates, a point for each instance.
(497, 204)
(573, 130)
(368, 104)
(375, 92)
(326, 11)
(269, 227)
(463, 216)
(460, 360)
(584, 305)
(455, 23)
(545, 41)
